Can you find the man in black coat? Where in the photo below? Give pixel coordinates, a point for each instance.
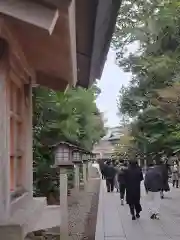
(165, 175)
(121, 181)
(133, 178)
(102, 166)
(109, 173)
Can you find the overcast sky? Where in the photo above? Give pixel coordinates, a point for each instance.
(111, 81)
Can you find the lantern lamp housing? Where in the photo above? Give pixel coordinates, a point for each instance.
(63, 155)
(77, 158)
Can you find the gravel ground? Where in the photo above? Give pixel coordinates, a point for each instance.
(92, 216)
(83, 213)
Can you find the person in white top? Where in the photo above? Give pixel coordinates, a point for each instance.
(175, 175)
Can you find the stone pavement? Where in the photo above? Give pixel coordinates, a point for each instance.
(114, 221)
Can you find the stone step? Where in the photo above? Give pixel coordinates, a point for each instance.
(20, 202)
(51, 217)
(31, 215)
(28, 214)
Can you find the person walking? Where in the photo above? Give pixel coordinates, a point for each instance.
(133, 177)
(121, 181)
(165, 177)
(153, 184)
(102, 166)
(175, 175)
(116, 183)
(109, 173)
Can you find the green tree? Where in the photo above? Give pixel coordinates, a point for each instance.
(154, 67)
(62, 116)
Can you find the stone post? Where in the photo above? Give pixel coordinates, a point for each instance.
(84, 173)
(64, 233)
(89, 166)
(87, 172)
(11, 232)
(139, 162)
(145, 165)
(76, 177)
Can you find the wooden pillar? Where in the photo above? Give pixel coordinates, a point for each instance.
(64, 233)
(76, 177)
(4, 142)
(28, 170)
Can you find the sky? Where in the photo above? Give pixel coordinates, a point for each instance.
(111, 82)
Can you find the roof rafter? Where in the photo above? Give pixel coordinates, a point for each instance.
(31, 12)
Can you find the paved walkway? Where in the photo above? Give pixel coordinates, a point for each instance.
(114, 221)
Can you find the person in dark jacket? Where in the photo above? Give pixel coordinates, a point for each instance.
(153, 185)
(121, 181)
(165, 177)
(133, 177)
(109, 173)
(102, 166)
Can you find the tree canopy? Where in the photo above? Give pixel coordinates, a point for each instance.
(62, 116)
(155, 27)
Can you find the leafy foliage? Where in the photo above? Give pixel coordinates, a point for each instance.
(71, 116)
(155, 68)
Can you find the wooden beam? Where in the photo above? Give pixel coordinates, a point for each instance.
(8, 33)
(50, 81)
(72, 34)
(58, 3)
(31, 12)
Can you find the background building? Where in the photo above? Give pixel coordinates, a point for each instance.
(105, 148)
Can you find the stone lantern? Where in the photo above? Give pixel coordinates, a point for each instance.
(93, 157)
(89, 157)
(63, 161)
(77, 160)
(63, 155)
(76, 157)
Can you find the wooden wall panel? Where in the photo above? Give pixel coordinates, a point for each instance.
(4, 140)
(18, 134)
